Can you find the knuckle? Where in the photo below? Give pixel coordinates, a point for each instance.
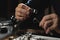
(54, 15)
(15, 8)
(18, 9)
(46, 23)
(44, 17)
(20, 4)
(29, 9)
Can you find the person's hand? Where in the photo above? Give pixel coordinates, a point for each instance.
(22, 12)
(49, 22)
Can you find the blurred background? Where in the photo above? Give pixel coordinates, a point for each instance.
(7, 8)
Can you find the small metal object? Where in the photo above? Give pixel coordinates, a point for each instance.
(6, 28)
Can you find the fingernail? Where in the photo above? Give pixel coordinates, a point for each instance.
(47, 31)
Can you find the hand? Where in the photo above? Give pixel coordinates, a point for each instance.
(49, 22)
(22, 12)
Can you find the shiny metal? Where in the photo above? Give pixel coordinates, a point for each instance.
(29, 36)
(7, 25)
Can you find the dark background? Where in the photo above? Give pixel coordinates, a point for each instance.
(7, 7)
(3, 8)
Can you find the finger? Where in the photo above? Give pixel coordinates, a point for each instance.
(17, 9)
(45, 18)
(20, 10)
(47, 24)
(21, 5)
(20, 15)
(54, 15)
(55, 24)
(23, 11)
(20, 18)
(28, 9)
(48, 30)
